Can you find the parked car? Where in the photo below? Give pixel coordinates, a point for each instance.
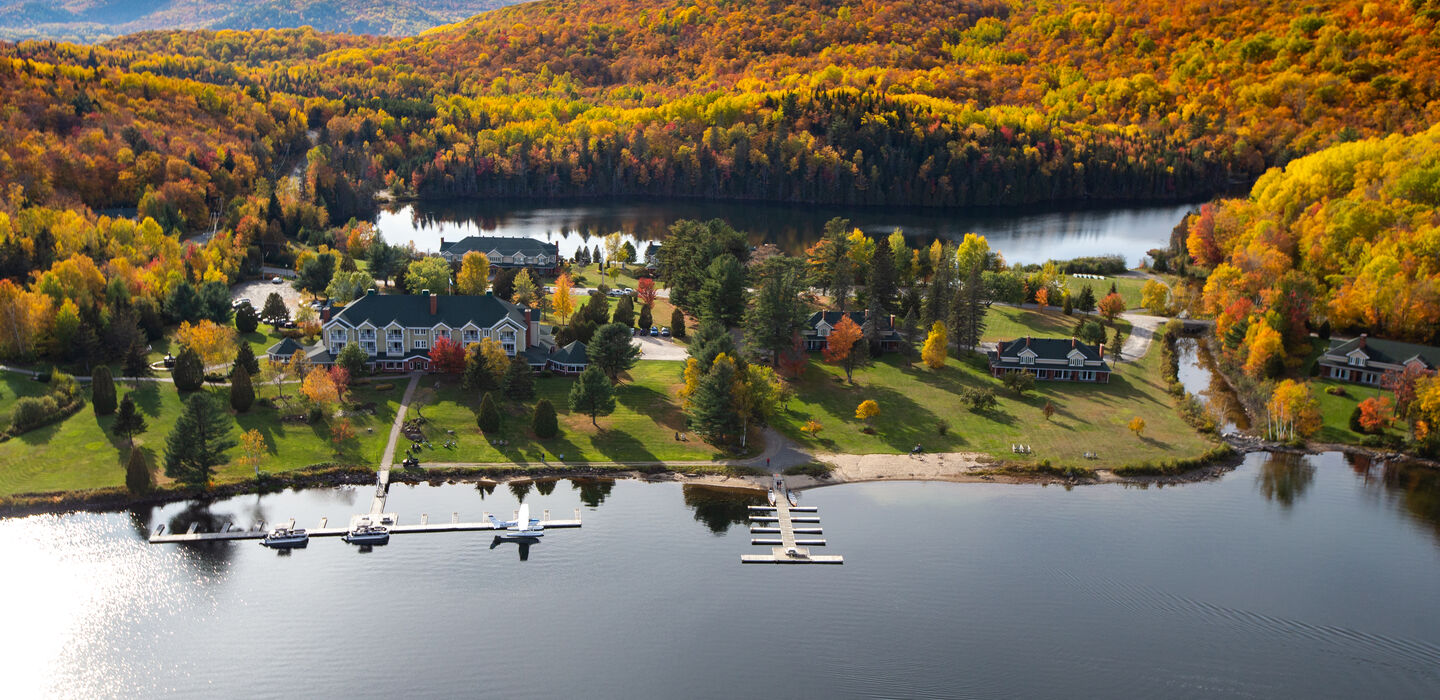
(276, 280)
(616, 293)
(665, 332)
(654, 332)
(242, 301)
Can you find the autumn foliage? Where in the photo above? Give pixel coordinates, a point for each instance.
(840, 345)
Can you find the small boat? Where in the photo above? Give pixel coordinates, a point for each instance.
(286, 538)
(771, 495)
(365, 533)
(793, 498)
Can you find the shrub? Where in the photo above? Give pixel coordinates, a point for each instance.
(102, 391)
(31, 412)
(1355, 420)
(1336, 391)
(488, 417)
(942, 426)
(544, 423)
(980, 400)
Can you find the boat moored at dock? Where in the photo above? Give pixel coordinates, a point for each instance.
(365, 533)
(286, 538)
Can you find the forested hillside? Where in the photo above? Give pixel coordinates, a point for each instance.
(97, 20)
(1348, 237)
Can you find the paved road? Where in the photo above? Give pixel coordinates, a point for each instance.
(660, 349)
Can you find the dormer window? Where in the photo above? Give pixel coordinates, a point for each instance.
(1027, 359)
(1357, 360)
(1077, 361)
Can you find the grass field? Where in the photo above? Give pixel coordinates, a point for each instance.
(642, 428)
(1336, 410)
(1010, 322)
(80, 453)
(1089, 417)
(1128, 287)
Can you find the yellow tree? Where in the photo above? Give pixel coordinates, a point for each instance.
(934, 351)
(1155, 296)
(524, 293)
(866, 410)
(1426, 409)
(1292, 411)
(319, 388)
(474, 276)
(252, 449)
(562, 303)
(812, 427)
(214, 343)
(1267, 347)
(693, 374)
(862, 249)
(972, 251)
(1137, 425)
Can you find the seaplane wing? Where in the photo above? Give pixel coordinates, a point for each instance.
(523, 521)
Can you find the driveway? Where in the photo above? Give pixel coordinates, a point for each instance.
(257, 290)
(660, 349)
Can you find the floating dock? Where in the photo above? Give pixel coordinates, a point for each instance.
(391, 521)
(777, 520)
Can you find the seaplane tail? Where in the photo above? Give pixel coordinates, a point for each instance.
(522, 521)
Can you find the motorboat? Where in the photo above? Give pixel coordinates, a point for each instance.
(365, 533)
(286, 538)
(771, 496)
(793, 498)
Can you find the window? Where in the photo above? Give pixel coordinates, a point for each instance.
(369, 348)
(1077, 362)
(337, 334)
(394, 334)
(1087, 376)
(507, 341)
(367, 333)
(1062, 374)
(1027, 359)
(1357, 361)
(420, 332)
(422, 344)
(442, 333)
(823, 331)
(395, 347)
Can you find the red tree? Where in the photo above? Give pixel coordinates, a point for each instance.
(645, 290)
(793, 362)
(840, 344)
(447, 356)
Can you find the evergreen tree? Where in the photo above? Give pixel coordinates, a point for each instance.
(1086, 302)
(102, 391)
(544, 422)
(722, 293)
(242, 394)
(967, 312)
(624, 312)
(183, 303)
(937, 299)
(247, 319)
(352, 358)
(189, 372)
(245, 357)
(880, 282)
(596, 310)
(611, 350)
(1068, 308)
(198, 442)
(215, 297)
(519, 380)
(138, 479)
(592, 394)
(908, 328)
(677, 323)
(136, 364)
(772, 321)
(274, 312)
(646, 319)
(316, 273)
(128, 421)
(488, 417)
(712, 407)
(711, 339)
(504, 283)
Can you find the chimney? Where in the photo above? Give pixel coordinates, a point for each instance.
(1027, 341)
(1072, 341)
(529, 325)
(442, 241)
(1102, 351)
(1362, 339)
(325, 315)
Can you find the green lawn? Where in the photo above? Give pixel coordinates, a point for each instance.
(1010, 322)
(12, 387)
(1336, 410)
(1089, 417)
(1128, 287)
(642, 428)
(591, 276)
(259, 341)
(79, 452)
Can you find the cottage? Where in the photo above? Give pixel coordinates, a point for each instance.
(571, 359)
(282, 351)
(1051, 359)
(817, 328)
(507, 252)
(1366, 360)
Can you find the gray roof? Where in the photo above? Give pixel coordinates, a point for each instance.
(833, 317)
(413, 311)
(1388, 351)
(572, 354)
(1055, 349)
(505, 245)
(285, 348)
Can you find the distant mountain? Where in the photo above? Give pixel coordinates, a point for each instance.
(98, 20)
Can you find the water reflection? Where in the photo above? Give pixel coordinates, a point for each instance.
(522, 544)
(719, 508)
(545, 487)
(1414, 487)
(1284, 477)
(212, 556)
(1022, 235)
(519, 489)
(485, 488)
(593, 491)
(1197, 372)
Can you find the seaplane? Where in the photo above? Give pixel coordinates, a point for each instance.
(522, 528)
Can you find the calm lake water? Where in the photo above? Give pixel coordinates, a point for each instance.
(1198, 373)
(1289, 577)
(1021, 235)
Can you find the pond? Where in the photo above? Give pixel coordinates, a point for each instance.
(1297, 576)
(1197, 371)
(1022, 235)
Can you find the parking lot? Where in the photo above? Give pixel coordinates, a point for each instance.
(257, 290)
(660, 349)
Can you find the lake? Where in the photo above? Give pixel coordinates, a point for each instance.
(1290, 577)
(1031, 235)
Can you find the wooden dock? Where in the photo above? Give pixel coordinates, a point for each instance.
(389, 520)
(777, 520)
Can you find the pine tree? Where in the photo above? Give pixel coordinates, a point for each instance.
(128, 421)
(908, 329)
(138, 479)
(937, 299)
(722, 293)
(624, 312)
(102, 391)
(488, 417)
(544, 422)
(772, 321)
(519, 380)
(967, 313)
(188, 372)
(592, 394)
(242, 394)
(611, 350)
(1069, 307)
(246, 319)
(245, 357)
(1086, 302)
(677, 323)
(646, 319)
(880, 282)
(712, 407)
(136, 364)
(198, 442)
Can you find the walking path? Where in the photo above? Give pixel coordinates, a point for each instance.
(388, 458)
